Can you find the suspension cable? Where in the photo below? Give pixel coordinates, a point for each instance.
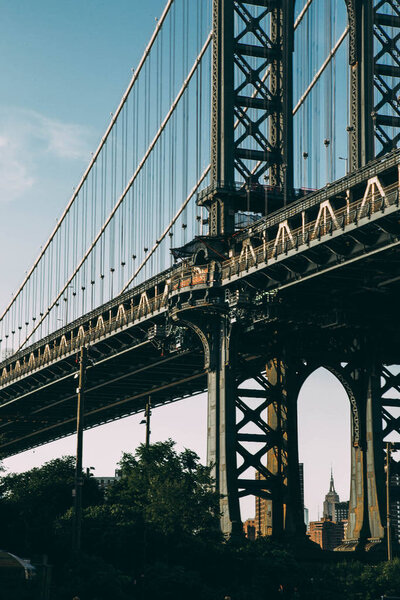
(321, 70)
(168, 228)
(146, 53)
(130, 183)
(302, 14)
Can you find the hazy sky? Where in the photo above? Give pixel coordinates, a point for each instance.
(63, 68)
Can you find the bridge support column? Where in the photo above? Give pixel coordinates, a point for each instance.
(252, 436)
(285, 513)
(221, 438)
(367, 485)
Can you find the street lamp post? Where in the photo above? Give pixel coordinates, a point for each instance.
(76, 539)
(148, 416)
(146, 421)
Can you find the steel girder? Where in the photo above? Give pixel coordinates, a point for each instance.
(241, 437)
(386, 112)
(375, 79)
(251, 94)
(252, 103)
(252, 418)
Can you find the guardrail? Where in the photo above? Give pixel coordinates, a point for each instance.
(314, 230)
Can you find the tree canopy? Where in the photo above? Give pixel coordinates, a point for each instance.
(155, 534)
(30, 503)
(168, 490)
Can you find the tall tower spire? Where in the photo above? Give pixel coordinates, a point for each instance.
(332, 483)
(331, 499)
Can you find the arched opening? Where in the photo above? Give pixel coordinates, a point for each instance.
(320, 92)
(324, 434)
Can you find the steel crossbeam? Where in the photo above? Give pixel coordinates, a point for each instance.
(251, 96)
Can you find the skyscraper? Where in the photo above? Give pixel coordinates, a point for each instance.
(331, 499)
(330, 530)
(263, 518)
(326, 533)
(341, 511)
(395, 506)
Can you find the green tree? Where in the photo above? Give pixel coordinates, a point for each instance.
(170, 491)
(30, 503)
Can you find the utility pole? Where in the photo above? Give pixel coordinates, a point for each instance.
(76, 538)
(388, 519)
(147, 415)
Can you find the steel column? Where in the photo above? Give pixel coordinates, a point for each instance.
(221, 424)
(374, 79)
(252, 426)
(251, 131)
(284, 507)
(368, 385)
(361, 56)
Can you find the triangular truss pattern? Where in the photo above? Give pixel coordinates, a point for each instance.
(257, 91)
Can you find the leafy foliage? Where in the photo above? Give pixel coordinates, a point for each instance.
(31, 502)
(168, 490)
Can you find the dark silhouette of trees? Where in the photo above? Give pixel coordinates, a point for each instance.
(155, 534)
(30, 503)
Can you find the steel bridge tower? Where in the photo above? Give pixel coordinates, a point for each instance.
(251, 38)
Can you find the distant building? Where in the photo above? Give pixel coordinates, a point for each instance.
(301, 477)
(249, 528)
(263, 518)
(341, 511)
(330, 531)
(395, 506)
(108, 480)
(331, 499)
(305, 510)
(306, 518)
(105, 482)
(326, 533)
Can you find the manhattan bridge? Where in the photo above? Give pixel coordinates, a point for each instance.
(237, 228)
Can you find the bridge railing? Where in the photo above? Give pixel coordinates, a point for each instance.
(287, 239)
(183, 277)
(64, 345)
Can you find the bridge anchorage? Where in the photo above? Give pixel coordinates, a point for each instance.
(286, 280)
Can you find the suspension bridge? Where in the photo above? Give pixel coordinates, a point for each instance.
(237, 228)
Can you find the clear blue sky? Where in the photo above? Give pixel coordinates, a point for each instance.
(63, 68)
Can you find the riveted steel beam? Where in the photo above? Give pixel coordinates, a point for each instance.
(251, 132)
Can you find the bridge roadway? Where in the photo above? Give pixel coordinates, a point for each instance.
(326, 264)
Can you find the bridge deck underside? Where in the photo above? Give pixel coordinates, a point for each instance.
(42, 407)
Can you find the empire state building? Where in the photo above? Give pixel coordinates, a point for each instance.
(331, 499)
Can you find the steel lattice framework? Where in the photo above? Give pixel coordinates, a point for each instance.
(252, 86)
(375, 78)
